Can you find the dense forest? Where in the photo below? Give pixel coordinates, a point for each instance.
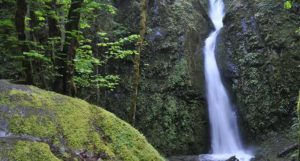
(131, 80)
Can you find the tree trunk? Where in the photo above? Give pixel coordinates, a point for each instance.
(54, 30)
(21, 12)
(37, 36)
(70, 47)
(56, 57)
(298, 111)
(137, 60)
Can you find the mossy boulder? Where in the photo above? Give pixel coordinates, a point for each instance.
(37, 125)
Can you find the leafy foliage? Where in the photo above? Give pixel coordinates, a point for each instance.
(116, 49)
(44, 52)
(86, 62)
(34, 55)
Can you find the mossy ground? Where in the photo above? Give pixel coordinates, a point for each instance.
(60, 127)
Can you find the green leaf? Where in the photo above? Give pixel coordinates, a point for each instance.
(298, 31)
(35, 55)
(288, 5)
(6, 23)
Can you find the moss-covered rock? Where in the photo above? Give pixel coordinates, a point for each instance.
(38, 125)
(29, 151)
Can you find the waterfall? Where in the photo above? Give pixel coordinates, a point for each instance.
(225, 137)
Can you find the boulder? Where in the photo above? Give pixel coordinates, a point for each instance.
(38, 125)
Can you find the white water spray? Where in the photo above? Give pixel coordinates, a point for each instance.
(225, 137)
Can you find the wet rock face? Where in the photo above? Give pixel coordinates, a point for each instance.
(259, 56)
(172, 85)
(171, 107)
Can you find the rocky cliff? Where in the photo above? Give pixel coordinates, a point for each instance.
(171, 109)
(259, 53)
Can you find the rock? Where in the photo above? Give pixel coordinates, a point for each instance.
(288, 150)
(45, 126)
(171, 110)
(259, 40)
(275, 143)
(184, 158)
(233, 158)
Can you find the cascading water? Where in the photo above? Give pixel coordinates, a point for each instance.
(224, 129)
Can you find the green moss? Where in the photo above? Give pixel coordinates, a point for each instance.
(38, 126)
(171, 124)
(70, 125)
(32, 151)
(178, 75)
(128, 145)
